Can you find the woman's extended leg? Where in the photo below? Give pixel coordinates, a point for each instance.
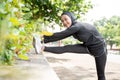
(100, 65)
(77, 48)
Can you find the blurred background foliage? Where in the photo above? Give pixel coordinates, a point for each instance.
(19, 19)
(110, 29)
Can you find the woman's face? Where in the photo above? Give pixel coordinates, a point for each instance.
(66, 21)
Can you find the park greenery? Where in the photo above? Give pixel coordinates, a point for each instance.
(110, 29)
(20, 19)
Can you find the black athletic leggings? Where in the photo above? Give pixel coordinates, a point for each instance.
(79, 48)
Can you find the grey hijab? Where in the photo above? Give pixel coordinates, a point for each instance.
(71, 15)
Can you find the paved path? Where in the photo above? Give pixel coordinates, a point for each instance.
(70, 66)
(37, 68)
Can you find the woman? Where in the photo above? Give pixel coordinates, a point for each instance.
(93, 43)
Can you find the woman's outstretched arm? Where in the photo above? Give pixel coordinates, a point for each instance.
(61, 35)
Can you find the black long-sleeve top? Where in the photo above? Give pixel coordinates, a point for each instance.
(84, 32)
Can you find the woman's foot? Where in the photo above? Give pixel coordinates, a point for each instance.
(37, 44)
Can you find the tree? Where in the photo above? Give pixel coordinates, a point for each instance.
(101, 22)
(51, 9)
(14, 39)
(110, 29)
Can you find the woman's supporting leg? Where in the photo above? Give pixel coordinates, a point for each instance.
(77, 48)
(100, 66)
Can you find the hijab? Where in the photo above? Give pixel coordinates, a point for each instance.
(71, 15)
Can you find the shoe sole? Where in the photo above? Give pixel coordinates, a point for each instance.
(37, 44)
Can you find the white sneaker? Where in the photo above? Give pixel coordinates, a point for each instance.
(37, 43)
